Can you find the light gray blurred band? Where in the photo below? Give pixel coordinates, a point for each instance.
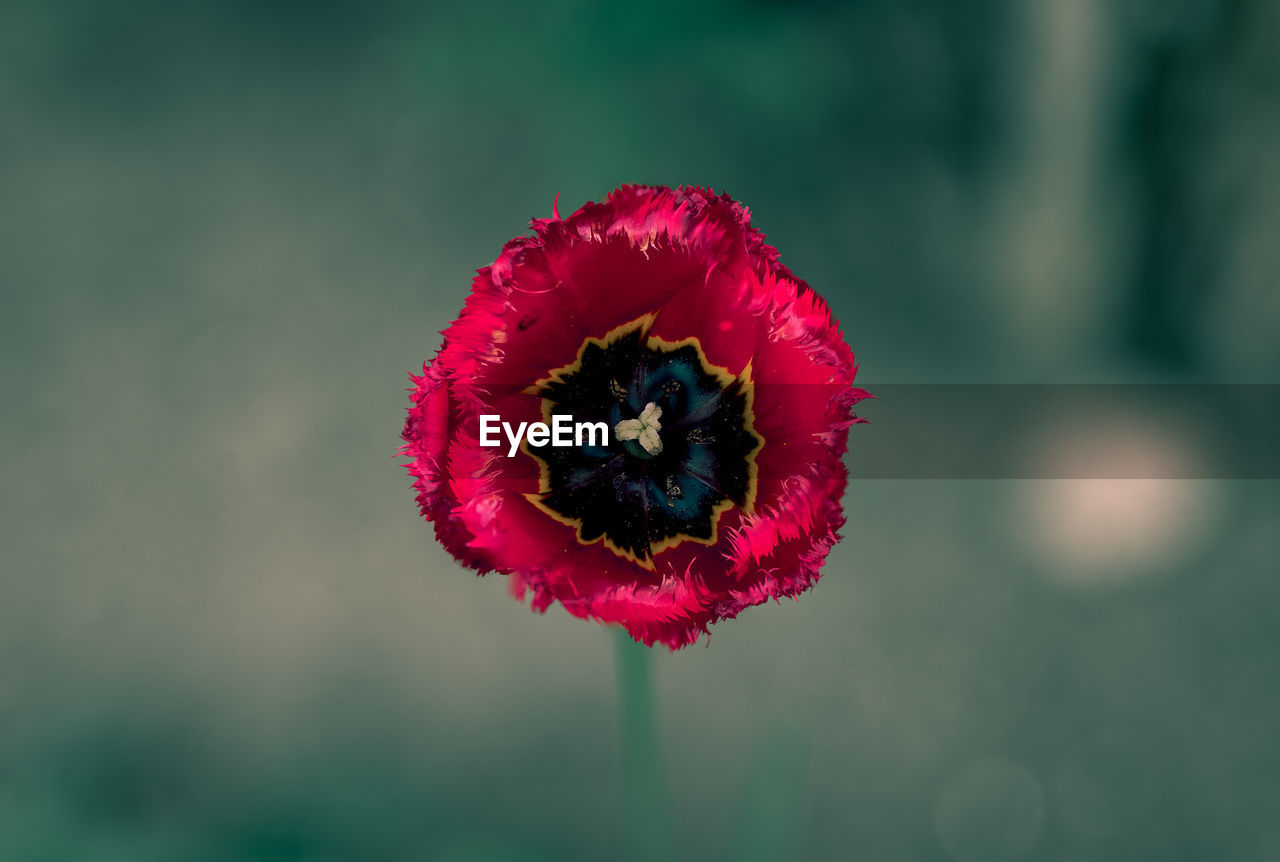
(1068, 431)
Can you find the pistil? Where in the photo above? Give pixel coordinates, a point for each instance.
(643, 430)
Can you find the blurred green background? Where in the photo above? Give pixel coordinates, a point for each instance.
(229, 230)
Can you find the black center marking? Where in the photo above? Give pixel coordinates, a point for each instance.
(638, 501)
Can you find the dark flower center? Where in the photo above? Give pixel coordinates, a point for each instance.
(681, 445)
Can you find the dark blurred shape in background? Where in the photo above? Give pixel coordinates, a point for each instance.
(228, 230)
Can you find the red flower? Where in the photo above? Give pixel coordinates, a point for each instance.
(724, 384)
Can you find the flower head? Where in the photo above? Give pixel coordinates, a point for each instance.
(724, 385)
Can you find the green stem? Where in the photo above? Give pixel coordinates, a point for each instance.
(645, 790)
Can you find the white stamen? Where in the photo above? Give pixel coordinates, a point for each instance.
(644, 430)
